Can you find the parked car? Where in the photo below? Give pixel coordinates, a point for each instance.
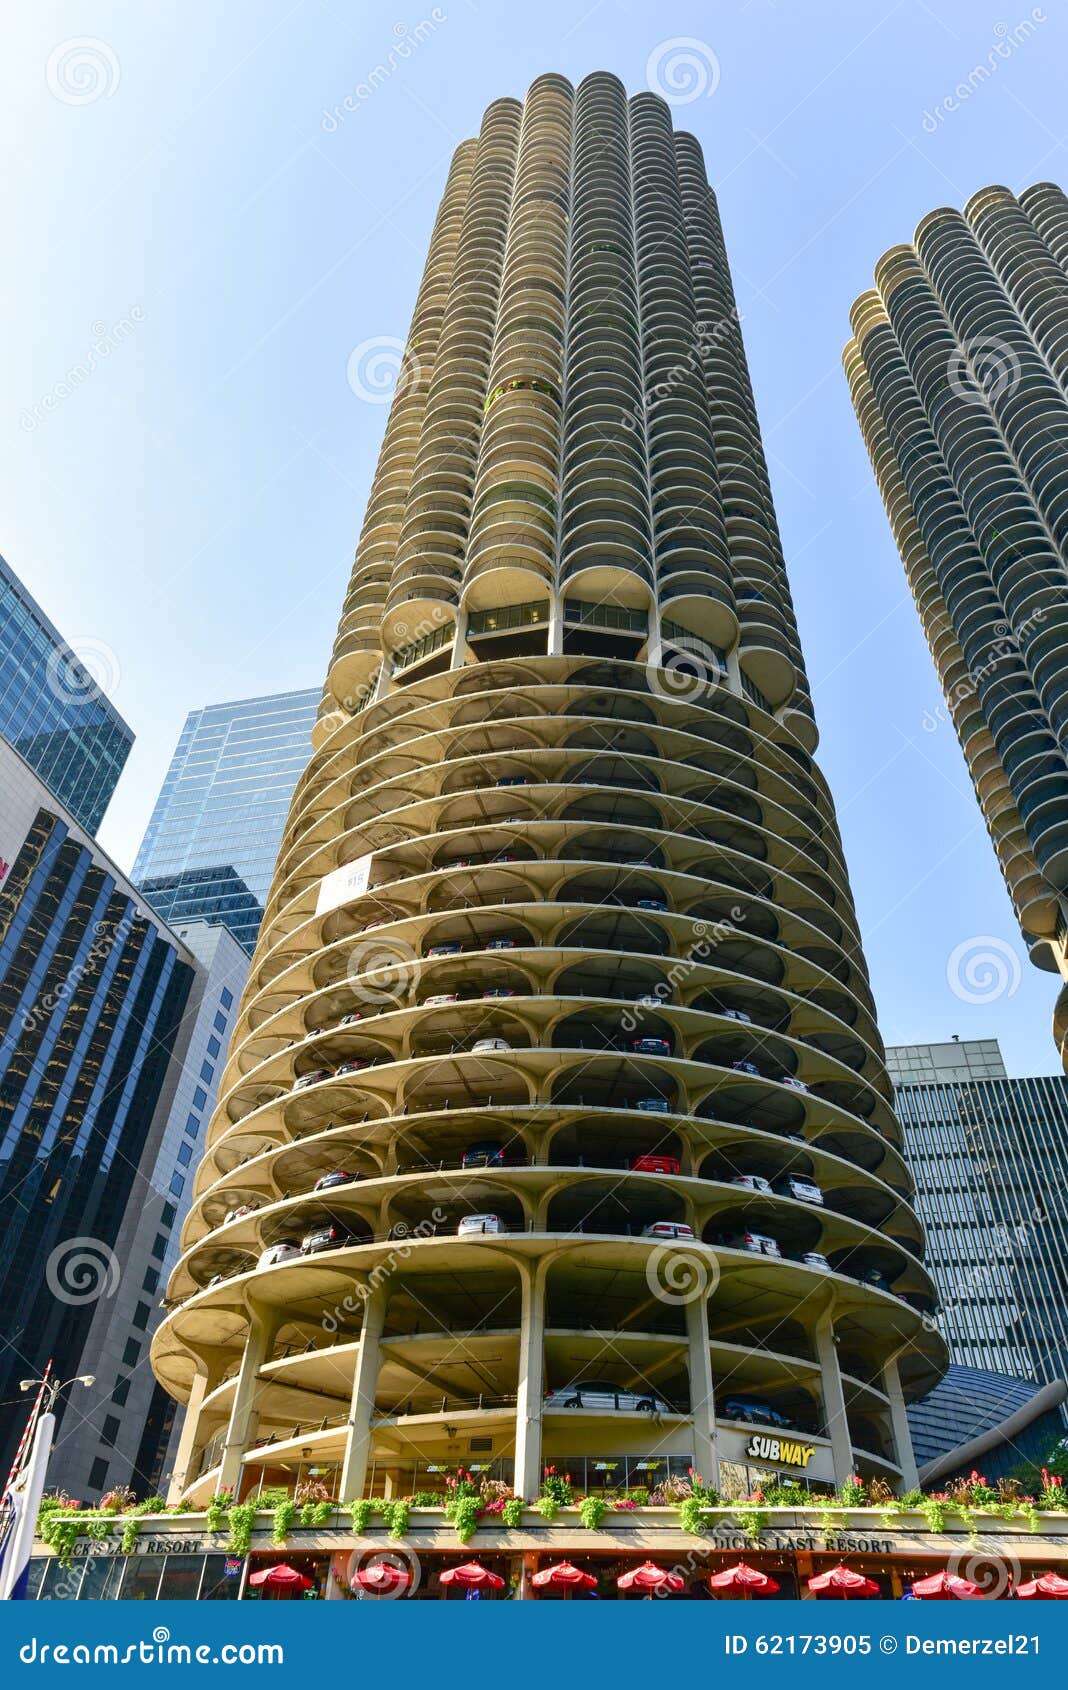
(737, 1015)
(353, 1066)
(283, 1251)
(332, 1237)
(752, 1182)
(876, 1277)
(757, 1243)
(515, 780)
(489, 1047)
(598, 1393)
(801, 1189)
(651, 1162)
(653, 1000)
(654, 1105)
(479, 1224)
(353, 1016)
(500, 945)
(651, 1046)
(440, 999)
(499, 992)
(667, 1229)
(752, 1411)
(239, 1213)
(744, 1066)
(651, 904)
(312, 1079)
(793, 1082)
(814, 1259)
(488, 1153)
(451, 947)
(339, 1176)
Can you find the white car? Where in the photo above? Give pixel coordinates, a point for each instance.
(312, 1079)
(813, 1259)
(479, 1224)
(599, 1393)
(489, 1047)
(793, 1082)
(802, 1190)
(667, 1229)
(757, 1243)
(283, 1251)
(737, 1015)
(440, 999)
(752, 1182)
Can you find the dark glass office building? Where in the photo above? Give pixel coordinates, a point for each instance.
(209, 850)
(990, 1162)
(92, 993)
(53, 712)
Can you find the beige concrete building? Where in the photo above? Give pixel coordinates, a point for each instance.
(559, 987)
(957, 369)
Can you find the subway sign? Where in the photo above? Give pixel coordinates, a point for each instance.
(782, 1450)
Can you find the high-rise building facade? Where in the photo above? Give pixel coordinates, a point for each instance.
(93, 989)
(989, 1158)
(209, 849)
(556, 1128)
(957, 369)
(120, 1434)
(52, 710)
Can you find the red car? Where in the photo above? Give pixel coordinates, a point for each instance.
(655, 1164)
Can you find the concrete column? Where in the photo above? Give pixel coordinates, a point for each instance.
(531, 1385)
(910, 1478)
(555, 642)
(185, 1457)
(702, 1391)
(362, 1404)
(834, 1408)
(243, 1415)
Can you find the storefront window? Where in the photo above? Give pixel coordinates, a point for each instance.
(181, 1578)
(222, 1578)
(141, 1580)
(103, 1575)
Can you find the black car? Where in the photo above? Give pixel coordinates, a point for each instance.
(338, 1177)
(752, 1411)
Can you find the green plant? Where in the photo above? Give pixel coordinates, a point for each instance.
(512, 1512)
(558, 1486)
(788, 1494)
(853, 1494)
(130, 1527)
(98, 1530)
(360, 1513)
(752, 1522)
(395, 1514)
(60, 1529)
(463, 1512)
(241, 1517)
(271, 1496)
(690, 1515)
(285, 1517)
(316, 1512)
(592, 1510)
(547, 1507)
(215, 1513)
(428, 1499)
(935, 1510)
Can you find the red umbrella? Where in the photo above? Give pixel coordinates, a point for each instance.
(563, 1576)
(650, 1577)
(381, 1576)
(944, 1586)
(473, 1576)
(1049, 1588)
(843, 1581)
(281, 1576)
(745, 1579)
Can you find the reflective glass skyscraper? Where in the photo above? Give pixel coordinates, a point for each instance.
(53, 712)
(208, 852)
(958, 369)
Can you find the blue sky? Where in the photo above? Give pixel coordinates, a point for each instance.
(188, 236)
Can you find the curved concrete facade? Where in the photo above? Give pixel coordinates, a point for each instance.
(957, 369)
(561, 946)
